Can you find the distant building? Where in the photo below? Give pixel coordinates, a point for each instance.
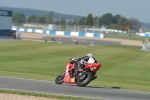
(6, 23)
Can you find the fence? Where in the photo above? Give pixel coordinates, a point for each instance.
(62, 33)
(143, 34)
(72, 28)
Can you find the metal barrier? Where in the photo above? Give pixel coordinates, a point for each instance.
(61, 33)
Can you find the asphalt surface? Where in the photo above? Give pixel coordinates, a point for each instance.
(71, 90)
(81, 41)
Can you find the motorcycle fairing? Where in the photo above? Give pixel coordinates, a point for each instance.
(67, 78)
(93, 66)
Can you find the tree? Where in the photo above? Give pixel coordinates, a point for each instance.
(50, 19)
(41, 19)
(69, 22)
(116, 18)
(82, 21)
(106, 19)
(96, 19)
(123, 24)
(135, 24)
(32, 18)
(56, 22)
(75, 22)
(19, 18)
(123, 21)
(89, 20)
(62, 21)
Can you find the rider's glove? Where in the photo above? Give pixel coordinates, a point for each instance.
(81, 61)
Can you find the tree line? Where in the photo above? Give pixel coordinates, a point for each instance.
(113, 22)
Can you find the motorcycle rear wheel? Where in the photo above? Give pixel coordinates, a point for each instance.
(60, 78)
(84, 79)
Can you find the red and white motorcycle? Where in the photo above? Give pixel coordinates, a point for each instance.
(82, 78)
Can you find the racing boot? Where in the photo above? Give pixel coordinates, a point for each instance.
(77, 71)
(94, 77)
(80, 68)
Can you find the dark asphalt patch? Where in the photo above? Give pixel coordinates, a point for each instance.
(80, 41)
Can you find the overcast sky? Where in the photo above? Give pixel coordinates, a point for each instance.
(139, 9)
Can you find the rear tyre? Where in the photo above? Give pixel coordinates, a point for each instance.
(60, 78)
(84, 79)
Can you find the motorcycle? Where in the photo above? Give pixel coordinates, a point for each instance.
(82, 78)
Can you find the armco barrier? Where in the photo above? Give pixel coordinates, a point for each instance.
(64, 33)
(143, 34)
(147, 34)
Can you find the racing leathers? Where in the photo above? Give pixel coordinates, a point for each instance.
(83, 61)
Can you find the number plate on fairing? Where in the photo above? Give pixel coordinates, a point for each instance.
(72, 79)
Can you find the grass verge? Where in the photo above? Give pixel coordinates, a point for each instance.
(44, 95)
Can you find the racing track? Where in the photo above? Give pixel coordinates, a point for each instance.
(88, 41)
(71, 90)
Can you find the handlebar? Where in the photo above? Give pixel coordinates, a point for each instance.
(73, 59)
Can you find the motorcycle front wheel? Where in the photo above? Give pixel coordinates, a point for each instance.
(84, 79)
(60, 78)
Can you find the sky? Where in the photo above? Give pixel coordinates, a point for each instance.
(139, 9)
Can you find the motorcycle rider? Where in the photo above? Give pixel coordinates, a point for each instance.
(89, 58)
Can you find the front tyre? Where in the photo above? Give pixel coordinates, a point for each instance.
(60, 78)
(84, 79)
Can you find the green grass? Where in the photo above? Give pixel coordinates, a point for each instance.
(44, 95)
(123, 67)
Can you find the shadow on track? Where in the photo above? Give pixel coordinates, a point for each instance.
(114, 87)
